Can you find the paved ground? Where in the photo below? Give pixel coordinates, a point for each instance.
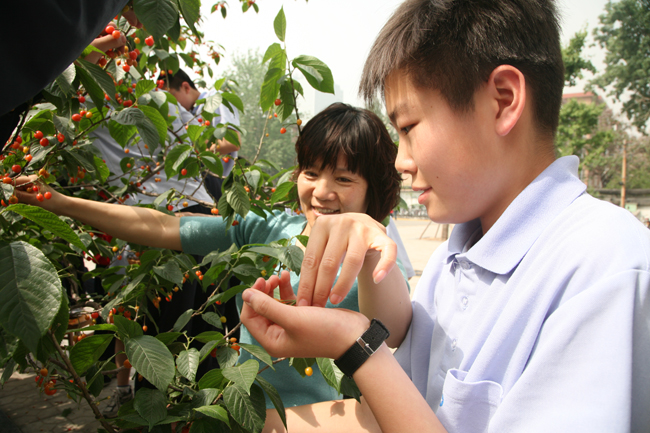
(24, 410)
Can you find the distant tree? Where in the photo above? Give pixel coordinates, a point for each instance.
(574, 63)
(248, 74)
(625, 35)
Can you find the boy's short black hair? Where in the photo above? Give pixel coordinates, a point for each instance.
(453, 46)
(176, 80)
(361, 137)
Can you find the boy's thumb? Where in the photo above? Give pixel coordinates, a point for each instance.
(263, 305)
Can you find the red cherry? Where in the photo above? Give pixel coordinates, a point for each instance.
(109, 30)
(82, 99)
(127, 103)
(235, 223)
(19, 140)
(44, 141)
(283, 130)
(116, 34)
(76, 117)
(278, 102)
(16, 168)
(207, 123)
(60, 137)
(47, 195)
(102, 62)
(170, 207)
(184, 172)
(149, 41)
(40, 197)
(126, 68)
(28, 157)
(38, 135)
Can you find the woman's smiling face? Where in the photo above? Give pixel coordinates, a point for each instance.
(330, 192)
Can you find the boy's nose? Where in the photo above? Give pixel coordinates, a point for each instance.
(404, 162)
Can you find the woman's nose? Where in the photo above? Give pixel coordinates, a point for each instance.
(323, 189)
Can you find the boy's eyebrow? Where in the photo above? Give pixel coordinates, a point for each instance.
(397, 111)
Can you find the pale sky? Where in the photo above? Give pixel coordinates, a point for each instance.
(340, 32)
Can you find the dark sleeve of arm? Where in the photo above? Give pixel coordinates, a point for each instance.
(46, 37)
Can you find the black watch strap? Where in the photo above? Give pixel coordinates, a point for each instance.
(364, 347)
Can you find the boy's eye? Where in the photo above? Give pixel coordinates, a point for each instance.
(405, 130)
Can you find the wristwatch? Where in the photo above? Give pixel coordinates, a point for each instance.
(364, 347)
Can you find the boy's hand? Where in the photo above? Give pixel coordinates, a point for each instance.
(290, 331)
(350, 238)
(283, 281)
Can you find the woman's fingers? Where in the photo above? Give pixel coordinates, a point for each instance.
(286, 290)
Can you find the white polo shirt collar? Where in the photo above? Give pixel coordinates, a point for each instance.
(507, 242)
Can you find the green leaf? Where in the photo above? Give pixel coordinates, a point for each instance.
(212, 102)
(170, 271)
(168, 337)
(238, 199)
(48, 221)
(205, 397)
(211, 379)
(214, 411)
(102, 169)
(127, 328)
(146, 128)
(157, 16)
(292, 257)
(188, 363)
(191, 13)
(274, 397)
(182, 320)
(59, 328)
(209, 425)
(227, 357)
(121, 133)
(330, 372)
(280, 25)
(234, 100)
(287, 97)
(194, 132)
(102, 78)
(207, 336)
(143, 87)
(232, 137)
(349, 387)
(30, 292)
(213, 319)
(301, 363)
(176, 157)
(156, 118)
(248, 411)
(212, 162)
(242, 375)
(9, 369)
(151, 404)
(65, 80)
(87, 352)
(282, 191)
(317, 73)
(152, 359)
(270, 87)
(259, 353)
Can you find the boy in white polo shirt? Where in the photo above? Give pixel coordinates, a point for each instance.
(534, 316)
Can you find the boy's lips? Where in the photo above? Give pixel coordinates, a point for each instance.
(422, 198)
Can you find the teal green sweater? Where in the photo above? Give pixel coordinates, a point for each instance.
(202, 235)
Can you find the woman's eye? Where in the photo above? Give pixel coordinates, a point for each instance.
(405, 130)
(344, 179)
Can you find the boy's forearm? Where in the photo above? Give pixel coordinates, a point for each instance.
(390, 403)
(387, 301)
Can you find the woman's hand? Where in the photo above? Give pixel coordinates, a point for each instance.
(350, 238)
(285, 330)
(22, 185)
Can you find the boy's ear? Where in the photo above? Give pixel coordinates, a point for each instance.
(507, 87)
(185, 86)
